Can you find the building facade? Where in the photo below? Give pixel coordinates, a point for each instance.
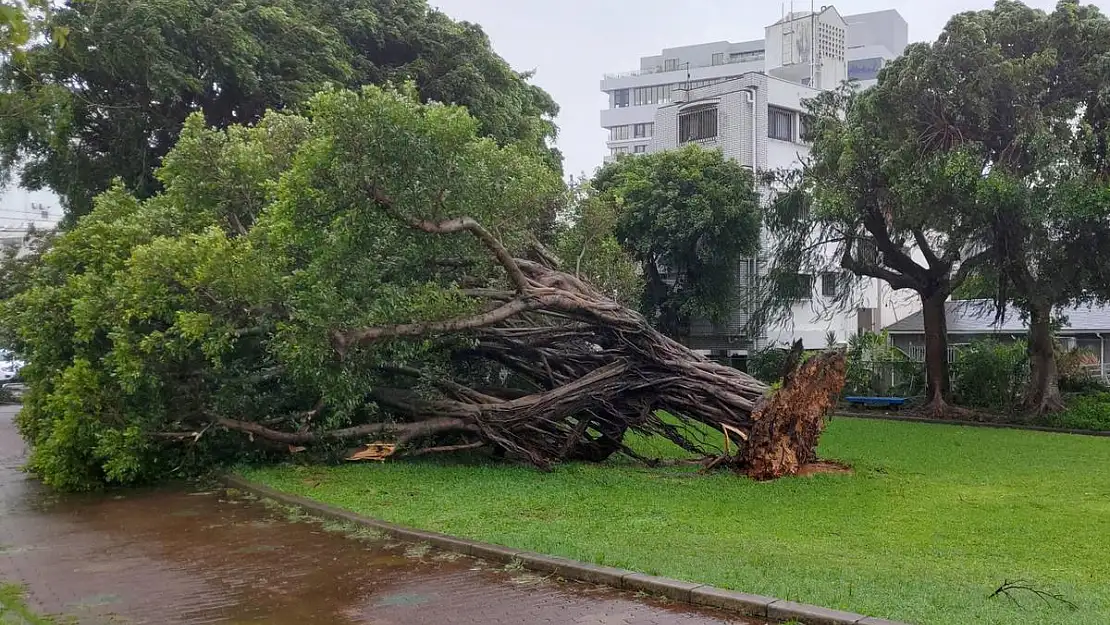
(747, 101)
(819, 49)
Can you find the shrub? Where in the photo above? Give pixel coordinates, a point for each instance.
(1085, 412)
(991, 375)
(766, 364)
(1074, 369)
(877, 368)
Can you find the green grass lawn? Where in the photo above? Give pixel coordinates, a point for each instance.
(933, 520)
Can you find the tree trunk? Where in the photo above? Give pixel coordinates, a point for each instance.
(936, 354)
(1043, 393)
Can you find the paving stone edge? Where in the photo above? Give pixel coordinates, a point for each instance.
(677, 590)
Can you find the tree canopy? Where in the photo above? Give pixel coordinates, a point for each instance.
(689, 218)
(220, 295)
(110, 102)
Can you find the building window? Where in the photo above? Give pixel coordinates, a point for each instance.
(642, 131)
(829, 286)
(697, 124)
(694, 84)
(639, 149)
(805, 127)
(620, 98)
(718, 58)
(623, 149)
(780, 124)
(802, 286)
(746, 57)
(658, 94)
(670, 65)
(618, 133)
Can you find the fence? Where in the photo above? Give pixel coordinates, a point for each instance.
(917, 352)
(885, 378)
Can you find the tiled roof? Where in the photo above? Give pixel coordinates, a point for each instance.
(978, 317)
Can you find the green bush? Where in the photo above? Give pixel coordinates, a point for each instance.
(991, 375)
(1085, 412)
(766, 364)
(1074, 369)
(876, 368)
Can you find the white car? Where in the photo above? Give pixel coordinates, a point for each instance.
(9, 366)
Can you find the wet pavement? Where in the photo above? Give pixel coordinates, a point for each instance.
(178, 556)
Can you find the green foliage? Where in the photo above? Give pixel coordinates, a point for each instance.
(991, 375)
(1027, 157)
(14, 609)
(766, 364)
(689, 218)
(969, 156)
(21, 21)
(932, 521)
(111, 102)
(876, 368)
(1085, 412)
(587, 244)
(219, 295)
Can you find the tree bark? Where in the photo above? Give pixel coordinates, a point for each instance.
(1043, 393)
(936, 353)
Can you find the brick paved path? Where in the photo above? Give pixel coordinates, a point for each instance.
(171, 556)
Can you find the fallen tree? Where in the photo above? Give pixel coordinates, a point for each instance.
(367, 275)
(597, 370)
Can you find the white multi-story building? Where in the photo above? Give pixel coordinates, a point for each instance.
(746, 99)
(833, 47)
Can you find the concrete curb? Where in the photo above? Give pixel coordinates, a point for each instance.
(975, 424)
(686, 592)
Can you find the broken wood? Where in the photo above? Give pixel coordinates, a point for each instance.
(786, 427)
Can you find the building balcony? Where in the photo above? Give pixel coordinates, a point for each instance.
(628, 115)
(660, 69)
(658, 76)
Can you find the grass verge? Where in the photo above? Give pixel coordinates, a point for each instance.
(14, 610)
(933, 521)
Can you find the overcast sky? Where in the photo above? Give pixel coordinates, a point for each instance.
(571, 43)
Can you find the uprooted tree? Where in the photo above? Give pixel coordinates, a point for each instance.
(366, 273)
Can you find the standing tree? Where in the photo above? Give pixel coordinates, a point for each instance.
(110, 102)
(689, 218)
(867, 203)
(1013, 101)
(973, 155)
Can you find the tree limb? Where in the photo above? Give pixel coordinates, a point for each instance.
(404, 431)
(896, 280)
(926, 248)
(342, 340)
(458, 224)
(968, 266)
